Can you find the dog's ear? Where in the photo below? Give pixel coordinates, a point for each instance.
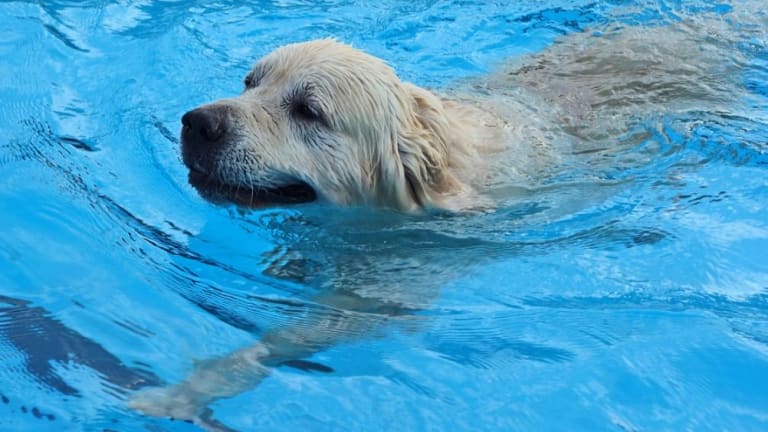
(424, 143)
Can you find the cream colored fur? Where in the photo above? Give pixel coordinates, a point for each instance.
(383, 142)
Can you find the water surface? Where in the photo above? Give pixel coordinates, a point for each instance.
(626, 288)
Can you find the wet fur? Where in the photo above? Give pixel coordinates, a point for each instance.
(376, 141)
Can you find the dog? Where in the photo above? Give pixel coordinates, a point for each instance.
(322, 121)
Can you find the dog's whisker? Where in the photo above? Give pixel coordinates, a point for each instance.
(251, 199)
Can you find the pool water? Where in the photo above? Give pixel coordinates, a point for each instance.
(628, 290)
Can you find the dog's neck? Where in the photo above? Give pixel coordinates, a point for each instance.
(486, 130)
(477, 132)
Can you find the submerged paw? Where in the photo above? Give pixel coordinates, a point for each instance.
(171, 402)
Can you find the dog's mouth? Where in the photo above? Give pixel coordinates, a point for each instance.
(216, 191)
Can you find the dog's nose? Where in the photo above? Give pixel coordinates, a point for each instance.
(205, 123)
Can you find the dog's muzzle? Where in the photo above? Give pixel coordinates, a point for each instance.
(205, 135)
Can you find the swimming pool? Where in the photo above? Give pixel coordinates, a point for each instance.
(629, 292)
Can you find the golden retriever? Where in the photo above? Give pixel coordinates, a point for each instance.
(323, 120)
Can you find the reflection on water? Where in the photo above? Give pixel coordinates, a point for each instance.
(625, 277)
(45, 341)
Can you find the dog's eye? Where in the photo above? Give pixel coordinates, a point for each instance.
(303, 105)
(305, 111)
(249, 82)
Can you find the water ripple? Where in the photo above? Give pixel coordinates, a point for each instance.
(629, 279)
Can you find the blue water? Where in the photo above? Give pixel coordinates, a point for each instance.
(628, 292)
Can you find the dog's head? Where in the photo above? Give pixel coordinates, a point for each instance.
(320, 120)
